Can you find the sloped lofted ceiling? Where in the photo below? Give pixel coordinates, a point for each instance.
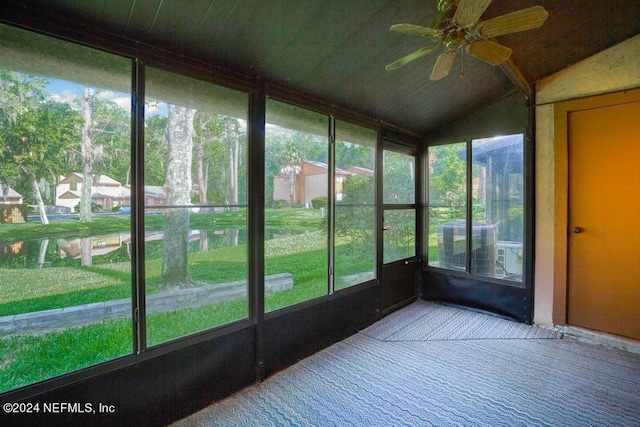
(336, 50)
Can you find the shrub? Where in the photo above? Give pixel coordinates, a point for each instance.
(319, 202)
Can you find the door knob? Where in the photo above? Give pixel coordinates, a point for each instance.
(577, 230)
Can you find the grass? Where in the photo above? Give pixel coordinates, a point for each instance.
(30, 358)
(25, 359)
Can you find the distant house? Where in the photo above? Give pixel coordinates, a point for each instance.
(154, 195)
(312, 182)
(12, 208)
(100, 245)
(105, 191)
(9, 196)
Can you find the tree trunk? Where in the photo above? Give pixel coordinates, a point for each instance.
(42, 254)
(205, 181)
(202, 184)
(87, 156)
(232, 151)
(204, 241)
(44, 220)
(178, 186)
(85, 251)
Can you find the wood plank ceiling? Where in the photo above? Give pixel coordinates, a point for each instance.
(336, 50)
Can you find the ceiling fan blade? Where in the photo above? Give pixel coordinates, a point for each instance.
(520, 20)
(412, 56)
(489, 51)
(417, 30)
(443, 65)
(469, 11)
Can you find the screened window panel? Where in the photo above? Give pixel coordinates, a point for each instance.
(447, 208)
(355, 205)
(399, 234)
(498, 211)
(195, 202)
(296, 214)
(65, 244)
(399, 180)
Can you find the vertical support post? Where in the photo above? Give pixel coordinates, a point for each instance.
(256, 177)
(331, 204)
(137, 207)
(469, 211)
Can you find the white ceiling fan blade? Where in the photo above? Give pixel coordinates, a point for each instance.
(417, 30)
(412, 56)
(469, 11)
(489, 51)
(443, 65)
(520, 20)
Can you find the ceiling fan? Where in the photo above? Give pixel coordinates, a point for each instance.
(458, 26)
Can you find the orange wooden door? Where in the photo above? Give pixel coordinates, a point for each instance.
(604, 219)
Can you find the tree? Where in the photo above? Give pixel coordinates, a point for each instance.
(111, 137)
(178, 185)
(36, 134)
(348, 154)
(17, 94)
(399, 178)
(232, 135)
(38, 142)
(87, 154)
(156, 150)
(208, 150)
(355, 214)
(13, 91)
(206, 129)
(105, 144)
(447, 176)
(290, 160)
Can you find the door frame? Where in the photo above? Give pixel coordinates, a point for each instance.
(561, 193)
(407, 269)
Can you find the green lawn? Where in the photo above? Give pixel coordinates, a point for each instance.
(25, 359)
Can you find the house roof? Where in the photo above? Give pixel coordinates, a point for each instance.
(68, 178)
(70, 195)
(360, 171)
(106, 181)
(100, 180)
(7, 192)
(325, 167)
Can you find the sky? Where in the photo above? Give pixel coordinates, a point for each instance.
(69, 92)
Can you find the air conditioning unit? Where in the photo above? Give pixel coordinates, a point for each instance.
(508, 259)
(452, 247)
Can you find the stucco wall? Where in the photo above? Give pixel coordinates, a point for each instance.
(612, 70)
(281, 190)
(315, 186)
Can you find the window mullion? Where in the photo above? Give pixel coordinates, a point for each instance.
(137, 226)
(469, 210)
(331, 203)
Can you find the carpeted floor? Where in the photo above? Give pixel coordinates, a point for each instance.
(430, 364)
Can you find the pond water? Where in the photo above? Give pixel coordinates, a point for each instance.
(105, 249)
(111, 248)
